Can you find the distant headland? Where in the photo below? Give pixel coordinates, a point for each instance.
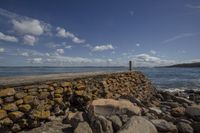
(195, 64)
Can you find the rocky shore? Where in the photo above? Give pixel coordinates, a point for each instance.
(123, 102)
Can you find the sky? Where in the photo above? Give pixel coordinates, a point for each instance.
(99, 32)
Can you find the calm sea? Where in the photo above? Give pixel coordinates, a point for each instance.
(163, 78)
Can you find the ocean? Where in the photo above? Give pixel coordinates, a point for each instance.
(171, 79)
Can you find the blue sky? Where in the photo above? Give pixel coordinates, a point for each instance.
(99, 32)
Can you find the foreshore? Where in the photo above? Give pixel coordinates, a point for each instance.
(94, 103)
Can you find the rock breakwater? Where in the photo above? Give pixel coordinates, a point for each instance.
(123, 102)
(27, 106)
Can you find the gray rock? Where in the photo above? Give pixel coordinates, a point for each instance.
(124, 118)
(196, 127)
(9, 99)
(116, 122)
(74, 118)
(193, 112)
(182, 100)
(184, 128)
(164, 126)
(138, 124)
(15, 128)
(155, 110)
(171, 104)
(101, 125)
(132, 99)
(83, 127)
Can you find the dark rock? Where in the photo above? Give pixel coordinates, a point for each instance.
(116, 122)
(15, 128)
(138, 124)
(184, 128)
(74, 118)
(124, 118)
(164, 126)
(193, 112)
(83, 127)
(132, 99)
(182, 100)
(100, 124)
(196, 127)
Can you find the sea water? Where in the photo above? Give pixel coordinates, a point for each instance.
(171, 79)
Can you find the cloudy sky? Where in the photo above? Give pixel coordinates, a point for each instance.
(99, 32)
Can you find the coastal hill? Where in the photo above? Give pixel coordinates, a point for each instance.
(195, 64)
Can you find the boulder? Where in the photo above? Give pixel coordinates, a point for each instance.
(29, 99)
(7, 92)
(6, 122)
(15, 128)
(43, 95)
(74, 118)
(15, 115)
(193, 112)
(41, 114)
(182, 100)
(20, 95)
(116, 122)
(18, 102)
(184, 128)
(58, 90)
(164, 126)
(83, 127)
(132, 99)
(138, 124)
(9, 99)
(108, 107)
(155, 110)
(3, 114)
(66, 84)
(10, 107)
(178, 111)
(101, 125)
(25, 107)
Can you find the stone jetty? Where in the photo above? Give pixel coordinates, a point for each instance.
(121, 102)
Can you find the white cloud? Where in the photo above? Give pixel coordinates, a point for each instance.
(153, 52)
(180, 36)
(77, 40)
(28, 27)
(68, 46)
(35, 61)
(8, 38)
(2, 50)
(146, 57)
(29, 40)
(25, 54)
(193, 6)
(61, 32)
(103, 47)
(137, 44)
(60, 51)
(150, 61)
